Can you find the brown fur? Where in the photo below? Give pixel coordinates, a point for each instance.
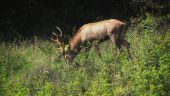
(103, 30)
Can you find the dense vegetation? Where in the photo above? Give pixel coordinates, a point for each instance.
(31, 67)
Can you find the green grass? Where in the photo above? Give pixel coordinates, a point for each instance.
(32, 68)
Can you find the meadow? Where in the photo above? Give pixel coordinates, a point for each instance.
(31, 67)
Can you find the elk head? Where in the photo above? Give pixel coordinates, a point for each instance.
(65, 49)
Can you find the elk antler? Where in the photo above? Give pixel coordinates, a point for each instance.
(61, 33)
(58, 39)
(55, 34)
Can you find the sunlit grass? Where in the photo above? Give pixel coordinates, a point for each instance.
(32, 68)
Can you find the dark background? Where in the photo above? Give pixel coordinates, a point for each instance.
(25, 19)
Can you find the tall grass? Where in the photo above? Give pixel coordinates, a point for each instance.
(32, 68)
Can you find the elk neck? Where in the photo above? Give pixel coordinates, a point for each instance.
(75, 42)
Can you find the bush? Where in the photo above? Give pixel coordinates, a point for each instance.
(32, 68)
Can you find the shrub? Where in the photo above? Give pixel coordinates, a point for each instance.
(32, 68)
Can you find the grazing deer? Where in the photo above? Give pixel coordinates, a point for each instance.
(101, 31)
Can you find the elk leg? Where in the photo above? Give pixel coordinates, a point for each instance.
(97, 50)
(127, 45)
(97, 45)
(87, 48)
(117, 46)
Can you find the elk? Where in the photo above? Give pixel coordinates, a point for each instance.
(98, 31)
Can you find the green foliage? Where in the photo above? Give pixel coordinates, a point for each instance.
(32, 68)
(148, 49)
